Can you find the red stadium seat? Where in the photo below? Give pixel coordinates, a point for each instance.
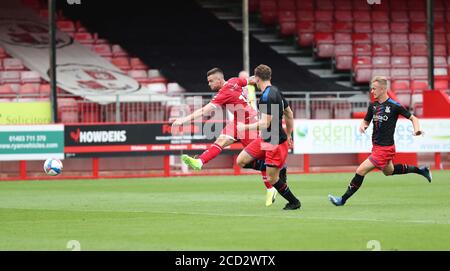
(286, 5)
(66, 26)
(419, 73)
(380, 16)
(398, 5)
(360, 5)
(342, 5)
(84, 38)
(380, 27)
(400, 62)
(342, 27)
(305, 33)
(322, 26)
(419, 49)
(342, 38)
(6, 90)
(399, 38)
(30, 77)
(253, 5)
(139, 75)
(416, 5)
(441, 84)
(80, 27)
(362, 50)
(287, 23)
(381, 72)
(269, 17)
(441, 74)
(381, 49)
(400, 49)
(324, 44)
(439, 16)
(440, 62)
(381, 38)
(417, 38)
(363, 75)
(399, 16)
(440, 38)
(305, 15)
(137, 64)
(362, 27)
(399, 78)
(417, 16)
(343, 16)
(439, 27)
(362, 69)
(362, 16)
(419, 84)
(361, 38)
(419, 62)
(122, 63)
(304, 4)
(118, 51)
(343, 49)
(11, 77)
(440, 50)
(399, 27)
(44, 90)
(102, 50)
(381, 62)
(13, 64)
(418, 27)
(323, 15)
(325, 4)
(29, 89)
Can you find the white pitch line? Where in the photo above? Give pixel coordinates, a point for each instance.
(428, 221)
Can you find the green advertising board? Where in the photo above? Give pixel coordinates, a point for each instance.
(25, 113)
(31, 142)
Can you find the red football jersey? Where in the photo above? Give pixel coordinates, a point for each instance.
(232, 97)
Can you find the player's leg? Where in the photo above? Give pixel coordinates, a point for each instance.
(211, 153)
(355, 183)
(275, 160)
(392, 169)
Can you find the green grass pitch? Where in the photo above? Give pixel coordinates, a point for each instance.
(225, 213)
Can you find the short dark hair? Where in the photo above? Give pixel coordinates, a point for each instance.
(264, 72)
(213, 71)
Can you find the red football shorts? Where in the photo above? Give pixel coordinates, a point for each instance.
(245, 137)
(273, 155)
(381, 155)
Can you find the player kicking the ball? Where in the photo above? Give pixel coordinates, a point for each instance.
(231, 97)
(384, 112)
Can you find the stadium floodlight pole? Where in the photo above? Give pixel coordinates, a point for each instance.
(52, 51)
(245, 36)
(430, 30)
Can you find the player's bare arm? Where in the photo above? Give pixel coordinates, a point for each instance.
(263, 123)
(289, 118)
(363, 126)
(196, 114)
(416, 126)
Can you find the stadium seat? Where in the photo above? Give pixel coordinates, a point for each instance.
(419, 84)
(305, 15)
(400, 62)
(11, 77)
(157, 87)
(29, 89)
(287, 23)
(84, 38)
(118, 51)
(68, 110)
(417, 38)
(343, 16)
(44, 90)
(381, 72)
(323, 44)
(7, 90)
(419, 62)
(362, 50)
(362, 27)
(360, 5)
(286, 5)
(418, 27)
(419, 49)
(323, 26)
(381, 38)
(440, 50)
(440, 62)
(399, 15)
(400, 49)
(122, 63)
(399, 27)
(416, 5)
(380, 16)
(381, 49)
(381, 62)
(30, 77)
(417, 16)
(362, 16)
(400, 74)
(380, 27)
(441, 84)
(323, 15)
(399, 38)
(342, 27)
(325, 4)
(440, 38)
(137, 64)
(305, 33)
(139, 75)
(66, 26)
(361, 38)
(80, 27)
(343, 56)
(103, 50)
(13, 64)
(343, 5)
(342, 38)
(253, 5)
(399, 84)
(174, 88)
(419, 73)
(268, 11)
(304, 4)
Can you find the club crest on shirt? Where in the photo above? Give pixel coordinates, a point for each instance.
(388, 109)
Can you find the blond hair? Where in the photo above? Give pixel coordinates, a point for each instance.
(382, 81)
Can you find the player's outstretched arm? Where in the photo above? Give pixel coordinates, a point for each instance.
(196, 114)
(416, 126)
(363, 126)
